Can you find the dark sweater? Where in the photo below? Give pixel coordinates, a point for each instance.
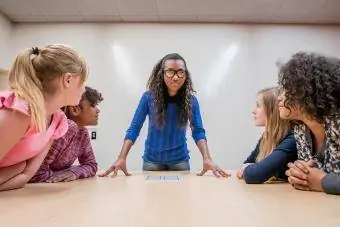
(274, 165)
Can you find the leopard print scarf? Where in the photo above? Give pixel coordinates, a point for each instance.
(330, 162)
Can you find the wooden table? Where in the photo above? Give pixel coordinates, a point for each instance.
(191, 201)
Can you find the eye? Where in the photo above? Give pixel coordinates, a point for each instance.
(181, 72)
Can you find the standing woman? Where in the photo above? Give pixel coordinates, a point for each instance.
(170, 105)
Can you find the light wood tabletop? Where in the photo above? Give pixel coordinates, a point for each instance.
(166, 199)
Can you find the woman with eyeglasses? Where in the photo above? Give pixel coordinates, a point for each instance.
(170, 106)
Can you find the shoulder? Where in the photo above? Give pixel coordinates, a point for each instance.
(82, 130)
(299, 131)
(72, 126)
(147, 94)
(332, 130)
(10, 100)
(194, 100)
(71, 132)
(332, 123)
(14, 112)
(60, 125)
(289, 136)
(288, 141)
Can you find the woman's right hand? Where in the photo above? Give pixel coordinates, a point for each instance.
(120, 164)
(239, 173)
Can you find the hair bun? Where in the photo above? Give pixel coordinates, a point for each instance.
(35, 50)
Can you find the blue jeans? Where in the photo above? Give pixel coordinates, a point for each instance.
(180, 166)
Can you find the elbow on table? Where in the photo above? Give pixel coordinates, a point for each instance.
(251, 177)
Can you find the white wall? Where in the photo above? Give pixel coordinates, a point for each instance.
(5, 32)
(229, 64)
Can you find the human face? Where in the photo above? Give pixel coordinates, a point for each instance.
(259, 112)
(174, 75)
(89, 114)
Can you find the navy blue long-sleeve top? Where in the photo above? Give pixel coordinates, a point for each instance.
(274, 165)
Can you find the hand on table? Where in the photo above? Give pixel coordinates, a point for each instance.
(120, 164)
(239, 173)
(304, 176)
(217, 171)
(64, 176)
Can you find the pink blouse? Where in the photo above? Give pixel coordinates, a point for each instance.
(33, 142)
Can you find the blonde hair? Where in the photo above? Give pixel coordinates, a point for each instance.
(34, 71)
(276, 128)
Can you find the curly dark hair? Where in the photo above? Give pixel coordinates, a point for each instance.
(92, 95)
(311, 82)
(158, 90)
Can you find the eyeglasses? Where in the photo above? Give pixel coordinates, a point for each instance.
(170, 73)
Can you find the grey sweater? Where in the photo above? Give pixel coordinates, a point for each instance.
(331, 183)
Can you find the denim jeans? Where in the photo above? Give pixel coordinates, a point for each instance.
(180, 166)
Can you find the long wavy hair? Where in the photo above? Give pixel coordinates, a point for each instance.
(311, 82)
(158, 90)
(276, 128)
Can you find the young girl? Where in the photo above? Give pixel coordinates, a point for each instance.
(41, 81)
(74, 145)
(311, 97)
(275, 149)
(170, 105)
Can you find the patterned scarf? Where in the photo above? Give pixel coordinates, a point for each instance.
(328, 159)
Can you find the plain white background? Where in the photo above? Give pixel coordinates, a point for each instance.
(228, 63)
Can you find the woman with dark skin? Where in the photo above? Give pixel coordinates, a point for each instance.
(311, 98)
(170, 105)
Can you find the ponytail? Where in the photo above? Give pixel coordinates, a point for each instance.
(25, 83)
(34, 73)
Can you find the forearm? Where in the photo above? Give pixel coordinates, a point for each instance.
(331, 184)
(16, 182)
(125, 149)
(203, 147)
(34, 164)
(84, 170)
(41, 176)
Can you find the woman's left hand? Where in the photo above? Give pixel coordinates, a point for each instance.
(314, 179)
(208, 164)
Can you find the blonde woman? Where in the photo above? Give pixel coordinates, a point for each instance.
(277, 146)
(41, 81)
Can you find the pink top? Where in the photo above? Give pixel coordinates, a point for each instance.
(33, 142)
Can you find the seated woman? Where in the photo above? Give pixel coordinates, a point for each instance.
(277, 146)
(311, 96)
(58, 164)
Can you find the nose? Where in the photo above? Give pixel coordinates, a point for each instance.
(175, 77)
(97, 109)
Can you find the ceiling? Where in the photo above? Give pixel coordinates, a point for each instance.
(230, 11)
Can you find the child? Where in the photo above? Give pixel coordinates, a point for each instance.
(311, 97)
(275, 149)
(41, 81)
(170, 104)
(75, 144)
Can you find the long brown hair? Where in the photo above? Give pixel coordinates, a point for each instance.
(33, 72)
(276, 128)
(157, 87)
